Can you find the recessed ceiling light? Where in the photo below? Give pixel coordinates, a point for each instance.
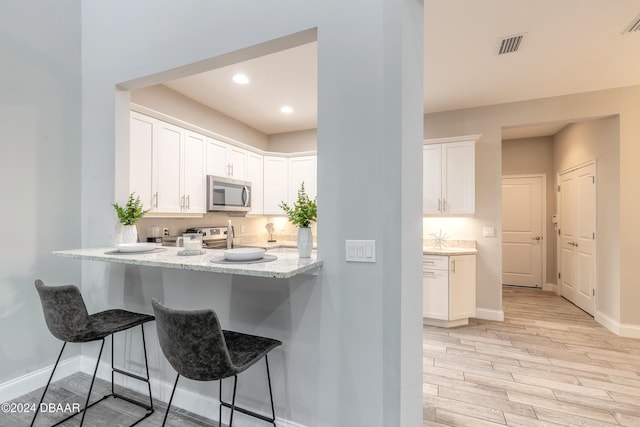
(286, 109)
(241, 79)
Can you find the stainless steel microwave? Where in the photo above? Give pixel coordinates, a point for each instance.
(228, 194)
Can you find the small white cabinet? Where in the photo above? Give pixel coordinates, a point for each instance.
(448, 178)
(449, 289)
(226, 160)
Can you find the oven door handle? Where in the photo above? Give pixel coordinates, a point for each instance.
(245, 200)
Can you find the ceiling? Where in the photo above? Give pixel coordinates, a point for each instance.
(569, 46)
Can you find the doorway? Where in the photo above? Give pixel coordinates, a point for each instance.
(523, 230)
(577, 235)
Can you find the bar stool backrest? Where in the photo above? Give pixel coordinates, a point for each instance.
(193, 343)
(64, 312)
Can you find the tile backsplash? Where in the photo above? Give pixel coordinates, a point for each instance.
(247, 229)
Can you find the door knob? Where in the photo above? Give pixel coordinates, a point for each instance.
(537, 238)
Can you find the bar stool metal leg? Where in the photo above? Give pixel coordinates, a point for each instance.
(47, 386)
(233, 406)
(149, 408)
(164, 420)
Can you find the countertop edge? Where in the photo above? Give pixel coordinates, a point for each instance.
(209, 267)
(449, 251)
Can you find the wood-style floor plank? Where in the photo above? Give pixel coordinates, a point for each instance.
(548, 364)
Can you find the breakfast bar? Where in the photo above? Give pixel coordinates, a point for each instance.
(284, 266)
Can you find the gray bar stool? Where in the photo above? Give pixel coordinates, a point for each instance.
(197, 348)
(68, 320)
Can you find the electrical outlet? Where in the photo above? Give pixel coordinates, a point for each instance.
(165, 232)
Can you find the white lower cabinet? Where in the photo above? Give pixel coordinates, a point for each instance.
(449, 289)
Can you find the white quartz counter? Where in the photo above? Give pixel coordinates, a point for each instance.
(285, 266)
(449, 251)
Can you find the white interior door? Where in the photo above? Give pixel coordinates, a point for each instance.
(522, 231)
(577, 224)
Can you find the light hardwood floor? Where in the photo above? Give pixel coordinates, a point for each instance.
(548, 364)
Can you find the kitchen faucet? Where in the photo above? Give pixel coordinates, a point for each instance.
(229, 235)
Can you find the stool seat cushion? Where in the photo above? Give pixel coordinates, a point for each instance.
(245, 349)
(68, 320)
(111, 321)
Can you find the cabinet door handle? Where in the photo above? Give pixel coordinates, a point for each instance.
(453, 266)
(231, 169)
(182, 202)
(188, 202)
(155, 196)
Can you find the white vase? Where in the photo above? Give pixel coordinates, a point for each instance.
(129, 234)
(305, 242)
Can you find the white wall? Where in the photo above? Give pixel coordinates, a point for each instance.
(39, 171)
(535, 156)
(352, 352)
(291, 142)
(599, 140)
(164, 100)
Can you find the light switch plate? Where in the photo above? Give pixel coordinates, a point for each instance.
(361, 250)
(489, 231)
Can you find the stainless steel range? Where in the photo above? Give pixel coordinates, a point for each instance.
(213, 237)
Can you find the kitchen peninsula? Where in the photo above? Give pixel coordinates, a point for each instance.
(285, 266)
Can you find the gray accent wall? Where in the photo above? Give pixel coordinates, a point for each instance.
(352, 335)
(40, 111)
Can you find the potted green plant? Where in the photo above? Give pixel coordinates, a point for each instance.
(303, 213)
(129, 216)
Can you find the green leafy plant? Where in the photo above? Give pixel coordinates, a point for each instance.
(131, 212)
(304, 211)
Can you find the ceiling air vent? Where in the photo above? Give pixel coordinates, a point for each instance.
(634, 26)
(510, 44)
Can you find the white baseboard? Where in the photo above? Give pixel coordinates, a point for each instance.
(487, 314)
(551, 287)
(628, 331)
(17, 387)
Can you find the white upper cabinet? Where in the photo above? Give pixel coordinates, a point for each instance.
(142, 137)
(255, 174)
(276, 184)
(168, 170)
(169, 166)
(194, 186)
(432, 179)
(302, 169)
(226, 160)
(166, 166)
(449, 178)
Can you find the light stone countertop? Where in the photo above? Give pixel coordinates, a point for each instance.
(285, 266)
(427, 250)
